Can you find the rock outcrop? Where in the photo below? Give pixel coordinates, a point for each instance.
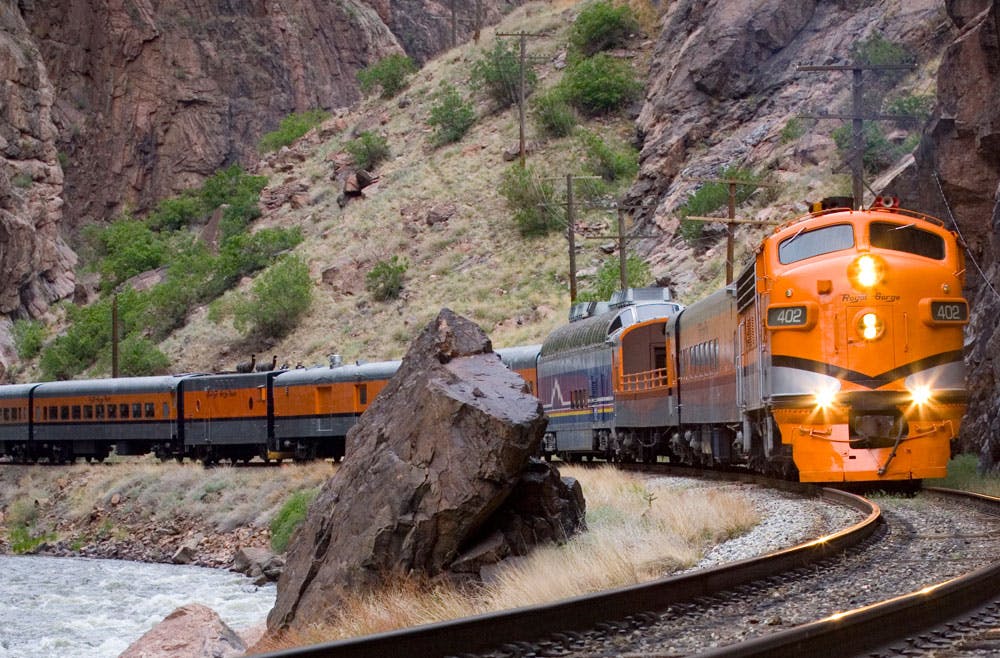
(151, 97)
(36, 266)
(724, 82)
(191, 631)
(956, 174)
(432, 461)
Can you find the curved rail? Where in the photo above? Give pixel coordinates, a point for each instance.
(880, 624)
(522, 624)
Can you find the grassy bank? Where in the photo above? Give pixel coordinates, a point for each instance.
(963, 473)
(637, 530)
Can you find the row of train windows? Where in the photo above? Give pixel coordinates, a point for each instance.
(701, 358)
(13, 415)
(579, 399)
(100, 411)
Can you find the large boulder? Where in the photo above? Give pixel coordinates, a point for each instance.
(191, 631)
(432, 460)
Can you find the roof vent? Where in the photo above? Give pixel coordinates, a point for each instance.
(638, 295)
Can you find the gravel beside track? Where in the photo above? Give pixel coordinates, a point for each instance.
(925, 540)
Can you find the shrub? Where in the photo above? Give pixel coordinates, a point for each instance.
(608, 278)
(610, 162)
(553, 115)
(368, 150)
(28, 338)
(600, 84)
(175, 213)
(291, 129)
(792, 130)
(385, 279)
(710, 197)
(602, 25)
(128, 247)
(280, 296)
(914, 105)
(289, 517)
(231, 186)
(498, 73)
(450, 115)
(390, 74)
(532, 201)
(138, 356)
(878, 152)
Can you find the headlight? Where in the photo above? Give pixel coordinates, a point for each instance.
(866, 271)
(921, 394)
(870, 326)
(825, 397)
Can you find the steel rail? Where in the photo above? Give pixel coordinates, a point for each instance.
(492, 630)
(880, 624)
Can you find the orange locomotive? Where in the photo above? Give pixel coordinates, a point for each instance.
(857, 374)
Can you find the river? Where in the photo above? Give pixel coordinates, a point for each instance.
(54, 607)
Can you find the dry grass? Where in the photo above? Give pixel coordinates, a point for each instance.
(475, 263)
(221, 499)
(637, 530)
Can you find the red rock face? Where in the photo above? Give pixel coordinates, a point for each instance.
(153, 96)
(36, 267)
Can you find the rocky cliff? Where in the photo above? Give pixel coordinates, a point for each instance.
(725, 83)
(114, 104)
(36, 266)
(957, 175)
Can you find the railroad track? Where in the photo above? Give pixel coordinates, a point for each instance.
(647, 619)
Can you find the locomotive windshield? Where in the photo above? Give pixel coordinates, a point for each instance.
(807, 244)
(908, 238)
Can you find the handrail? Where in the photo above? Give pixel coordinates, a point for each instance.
(647, 380)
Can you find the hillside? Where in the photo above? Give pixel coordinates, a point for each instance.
(723, 89)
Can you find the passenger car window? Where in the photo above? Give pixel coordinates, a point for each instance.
(817, 242)
(906, 237)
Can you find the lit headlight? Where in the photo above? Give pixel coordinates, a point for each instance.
(921, 394)
(825, 397)
(866, 271)
(870, 326)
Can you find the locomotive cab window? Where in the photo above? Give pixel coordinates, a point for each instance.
(906, 237)
(817, 242)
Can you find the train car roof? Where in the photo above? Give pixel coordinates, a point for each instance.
(595, 330)
(520, 356)
(109, 386)
(346, 373)
(11, 391)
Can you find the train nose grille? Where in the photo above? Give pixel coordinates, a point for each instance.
(876, 429)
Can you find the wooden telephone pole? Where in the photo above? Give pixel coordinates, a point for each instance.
(857, 117)
(522, 36)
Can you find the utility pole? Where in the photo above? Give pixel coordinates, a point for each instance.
(523, 36)
(479, 20)
(858, 117)
(454, 23)
(731, 224)
(114, 336)
(571, 236)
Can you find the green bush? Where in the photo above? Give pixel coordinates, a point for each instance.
(552, 114)
(390, 74)
(618, 162)
(600, 84)
(368, 150)
(28, 338)
(918, 106)
(278, 299)
(608, 278)
(710, 197)
(291, 129)
(384, 280)
(231, 186)
(450, 115)
(602, 25)
(879, 153)
(128, 247)
(793, 130)
(175, 213)
(498, 74)
(289, 517)
(533, 202)
(138, 356)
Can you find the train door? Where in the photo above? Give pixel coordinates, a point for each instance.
(324, 408)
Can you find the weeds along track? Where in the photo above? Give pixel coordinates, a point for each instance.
(582, 624)
(911, 569)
